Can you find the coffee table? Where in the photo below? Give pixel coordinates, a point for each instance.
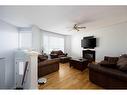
(79, 63)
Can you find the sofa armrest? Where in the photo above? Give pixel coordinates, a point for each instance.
(42, 58)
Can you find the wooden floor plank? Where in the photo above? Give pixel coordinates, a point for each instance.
(68, 78)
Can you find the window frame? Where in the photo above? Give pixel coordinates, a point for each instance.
(49, 48)
(20, 39)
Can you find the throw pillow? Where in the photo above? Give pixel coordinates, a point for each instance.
(122, 64)
(123, 56)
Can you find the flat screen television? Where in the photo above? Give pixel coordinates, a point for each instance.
(88, 42)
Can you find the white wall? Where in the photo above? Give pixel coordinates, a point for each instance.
(67, 48)
(76, 50)
(8, 44)
(25, 37)
(36, 38)
(112, 41)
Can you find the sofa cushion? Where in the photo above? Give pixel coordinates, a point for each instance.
(122, 64)
(107, 64)
(111, 59)
(60, 52)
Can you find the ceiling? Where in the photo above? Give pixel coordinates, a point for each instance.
(60, 19)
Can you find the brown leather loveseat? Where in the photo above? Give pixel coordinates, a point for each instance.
(108, 76)
(57, 54)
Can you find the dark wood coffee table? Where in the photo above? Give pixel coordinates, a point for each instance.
(80, 64)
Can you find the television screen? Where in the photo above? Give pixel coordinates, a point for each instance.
(88, 42)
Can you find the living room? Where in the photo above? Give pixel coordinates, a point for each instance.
(61, 29)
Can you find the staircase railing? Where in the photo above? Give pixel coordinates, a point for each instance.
(25, 73)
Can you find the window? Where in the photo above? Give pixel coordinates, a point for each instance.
(25, 39)
(53, 43)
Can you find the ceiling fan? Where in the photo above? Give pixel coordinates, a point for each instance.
(78, 28)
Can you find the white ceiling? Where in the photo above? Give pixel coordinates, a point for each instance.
(60, 19)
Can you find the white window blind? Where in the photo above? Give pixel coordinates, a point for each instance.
(25, 39)
(53, 43)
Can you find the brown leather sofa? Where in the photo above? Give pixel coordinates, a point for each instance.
(107, 77)
(48, 66)
(57, 54)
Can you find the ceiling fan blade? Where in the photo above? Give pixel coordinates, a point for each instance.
(82, 27)
(75, 28)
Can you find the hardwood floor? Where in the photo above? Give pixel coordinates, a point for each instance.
(68, 78)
